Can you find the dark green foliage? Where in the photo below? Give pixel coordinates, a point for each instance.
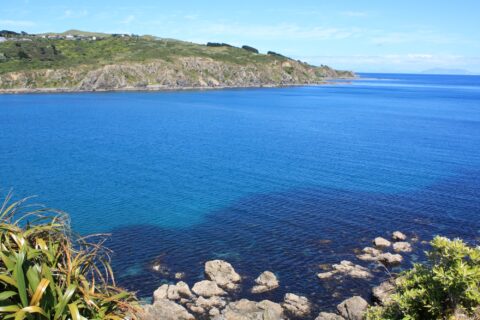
(272, 53)
(217, 44)
(449, 283)
(251, 49)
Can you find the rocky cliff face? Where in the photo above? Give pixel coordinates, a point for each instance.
(184, 72)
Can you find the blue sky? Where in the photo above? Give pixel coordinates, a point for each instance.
(372, 36)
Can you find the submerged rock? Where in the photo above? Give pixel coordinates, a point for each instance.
(222, 273)
(267, 281)
(298, 306)
(402, 247)
(398, 236)
(353, 308)
(381, 243)
(207, 288)
(369, 254)
(347, 268)
(166, 310)
(390, 259)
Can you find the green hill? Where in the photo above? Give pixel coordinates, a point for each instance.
(74, 58)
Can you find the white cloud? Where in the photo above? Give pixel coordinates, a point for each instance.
(16, 23)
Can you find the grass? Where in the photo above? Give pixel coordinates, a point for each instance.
(54, 53)
(48, 273)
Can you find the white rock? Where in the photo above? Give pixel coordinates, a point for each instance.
(222, 273)
(267, 281)
(369, 254)
(166, 310)
(402, 247)
(329, 316)
(184, 290)
(390, 259)
(380, 242)
(298, 306)
(398, 236)
(249, 310)
(207, 289)
(353, 308)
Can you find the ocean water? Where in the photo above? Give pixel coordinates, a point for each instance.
(282, 179)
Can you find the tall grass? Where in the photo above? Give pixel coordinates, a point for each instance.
(48, 273)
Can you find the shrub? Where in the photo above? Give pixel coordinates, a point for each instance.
(46, 273)
(250, 49)
(447, 284)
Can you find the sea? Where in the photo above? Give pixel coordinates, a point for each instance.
(289, 180)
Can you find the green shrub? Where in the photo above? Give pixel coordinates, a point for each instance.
(448, 283)
(46, 273)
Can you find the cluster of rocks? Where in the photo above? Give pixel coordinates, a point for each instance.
(211, 299)
(349, 269)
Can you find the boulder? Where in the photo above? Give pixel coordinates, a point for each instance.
(382, 293)
(329, 316)
(267, 281)
(249, 310)
(398, 236)
(222, 273)
(402, 247)
(184, 290)
(347, 268)
(381, 243)
(172, 292)
(209, 303)
(390, 258)
(297, 306)
(207, 289)
(369, 254)
(166, 310)
(353, 308)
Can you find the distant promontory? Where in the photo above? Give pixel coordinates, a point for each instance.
(87, 61)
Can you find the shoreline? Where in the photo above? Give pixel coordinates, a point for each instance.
(160, 88)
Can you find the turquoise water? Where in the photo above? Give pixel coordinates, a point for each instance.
(255, 176)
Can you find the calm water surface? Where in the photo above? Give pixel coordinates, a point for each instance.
(280, 179)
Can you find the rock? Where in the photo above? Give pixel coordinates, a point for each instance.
(267, 281)
(222, 273)
(179, 275)
(369, 254)
(166, 310)
(161, 293)
(398, 236)
(211, 302)
(172, 293)
(390, 259)
(214, 312)
(184, 290)
(329, 316)
(353, 308)
(402, 247)
(298, 306)
(382, 293)
(249, 310)
(381, 243)
(207, 289)
(347, 268)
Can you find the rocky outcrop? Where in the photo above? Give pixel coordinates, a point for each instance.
(166, 310)
(222, 273)
(178, 73)
(402, 247)
(398, 236)
(207, 288)
(382, 294)
(267, 281)
(381, 243)
(329, 316)
(353, 308)
(249, 310)
(347, 268)
(297, 306)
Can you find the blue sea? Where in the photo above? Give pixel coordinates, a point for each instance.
(280, 179)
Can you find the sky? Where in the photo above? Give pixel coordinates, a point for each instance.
(359, 35)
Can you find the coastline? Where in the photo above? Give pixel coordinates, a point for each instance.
(162, 88)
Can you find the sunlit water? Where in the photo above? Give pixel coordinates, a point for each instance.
(260, 177)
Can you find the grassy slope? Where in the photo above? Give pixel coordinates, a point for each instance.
(47, 53)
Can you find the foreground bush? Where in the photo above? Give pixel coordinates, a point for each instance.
(445, 288)
(45, 273)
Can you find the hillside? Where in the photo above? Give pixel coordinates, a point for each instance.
(80, 61)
